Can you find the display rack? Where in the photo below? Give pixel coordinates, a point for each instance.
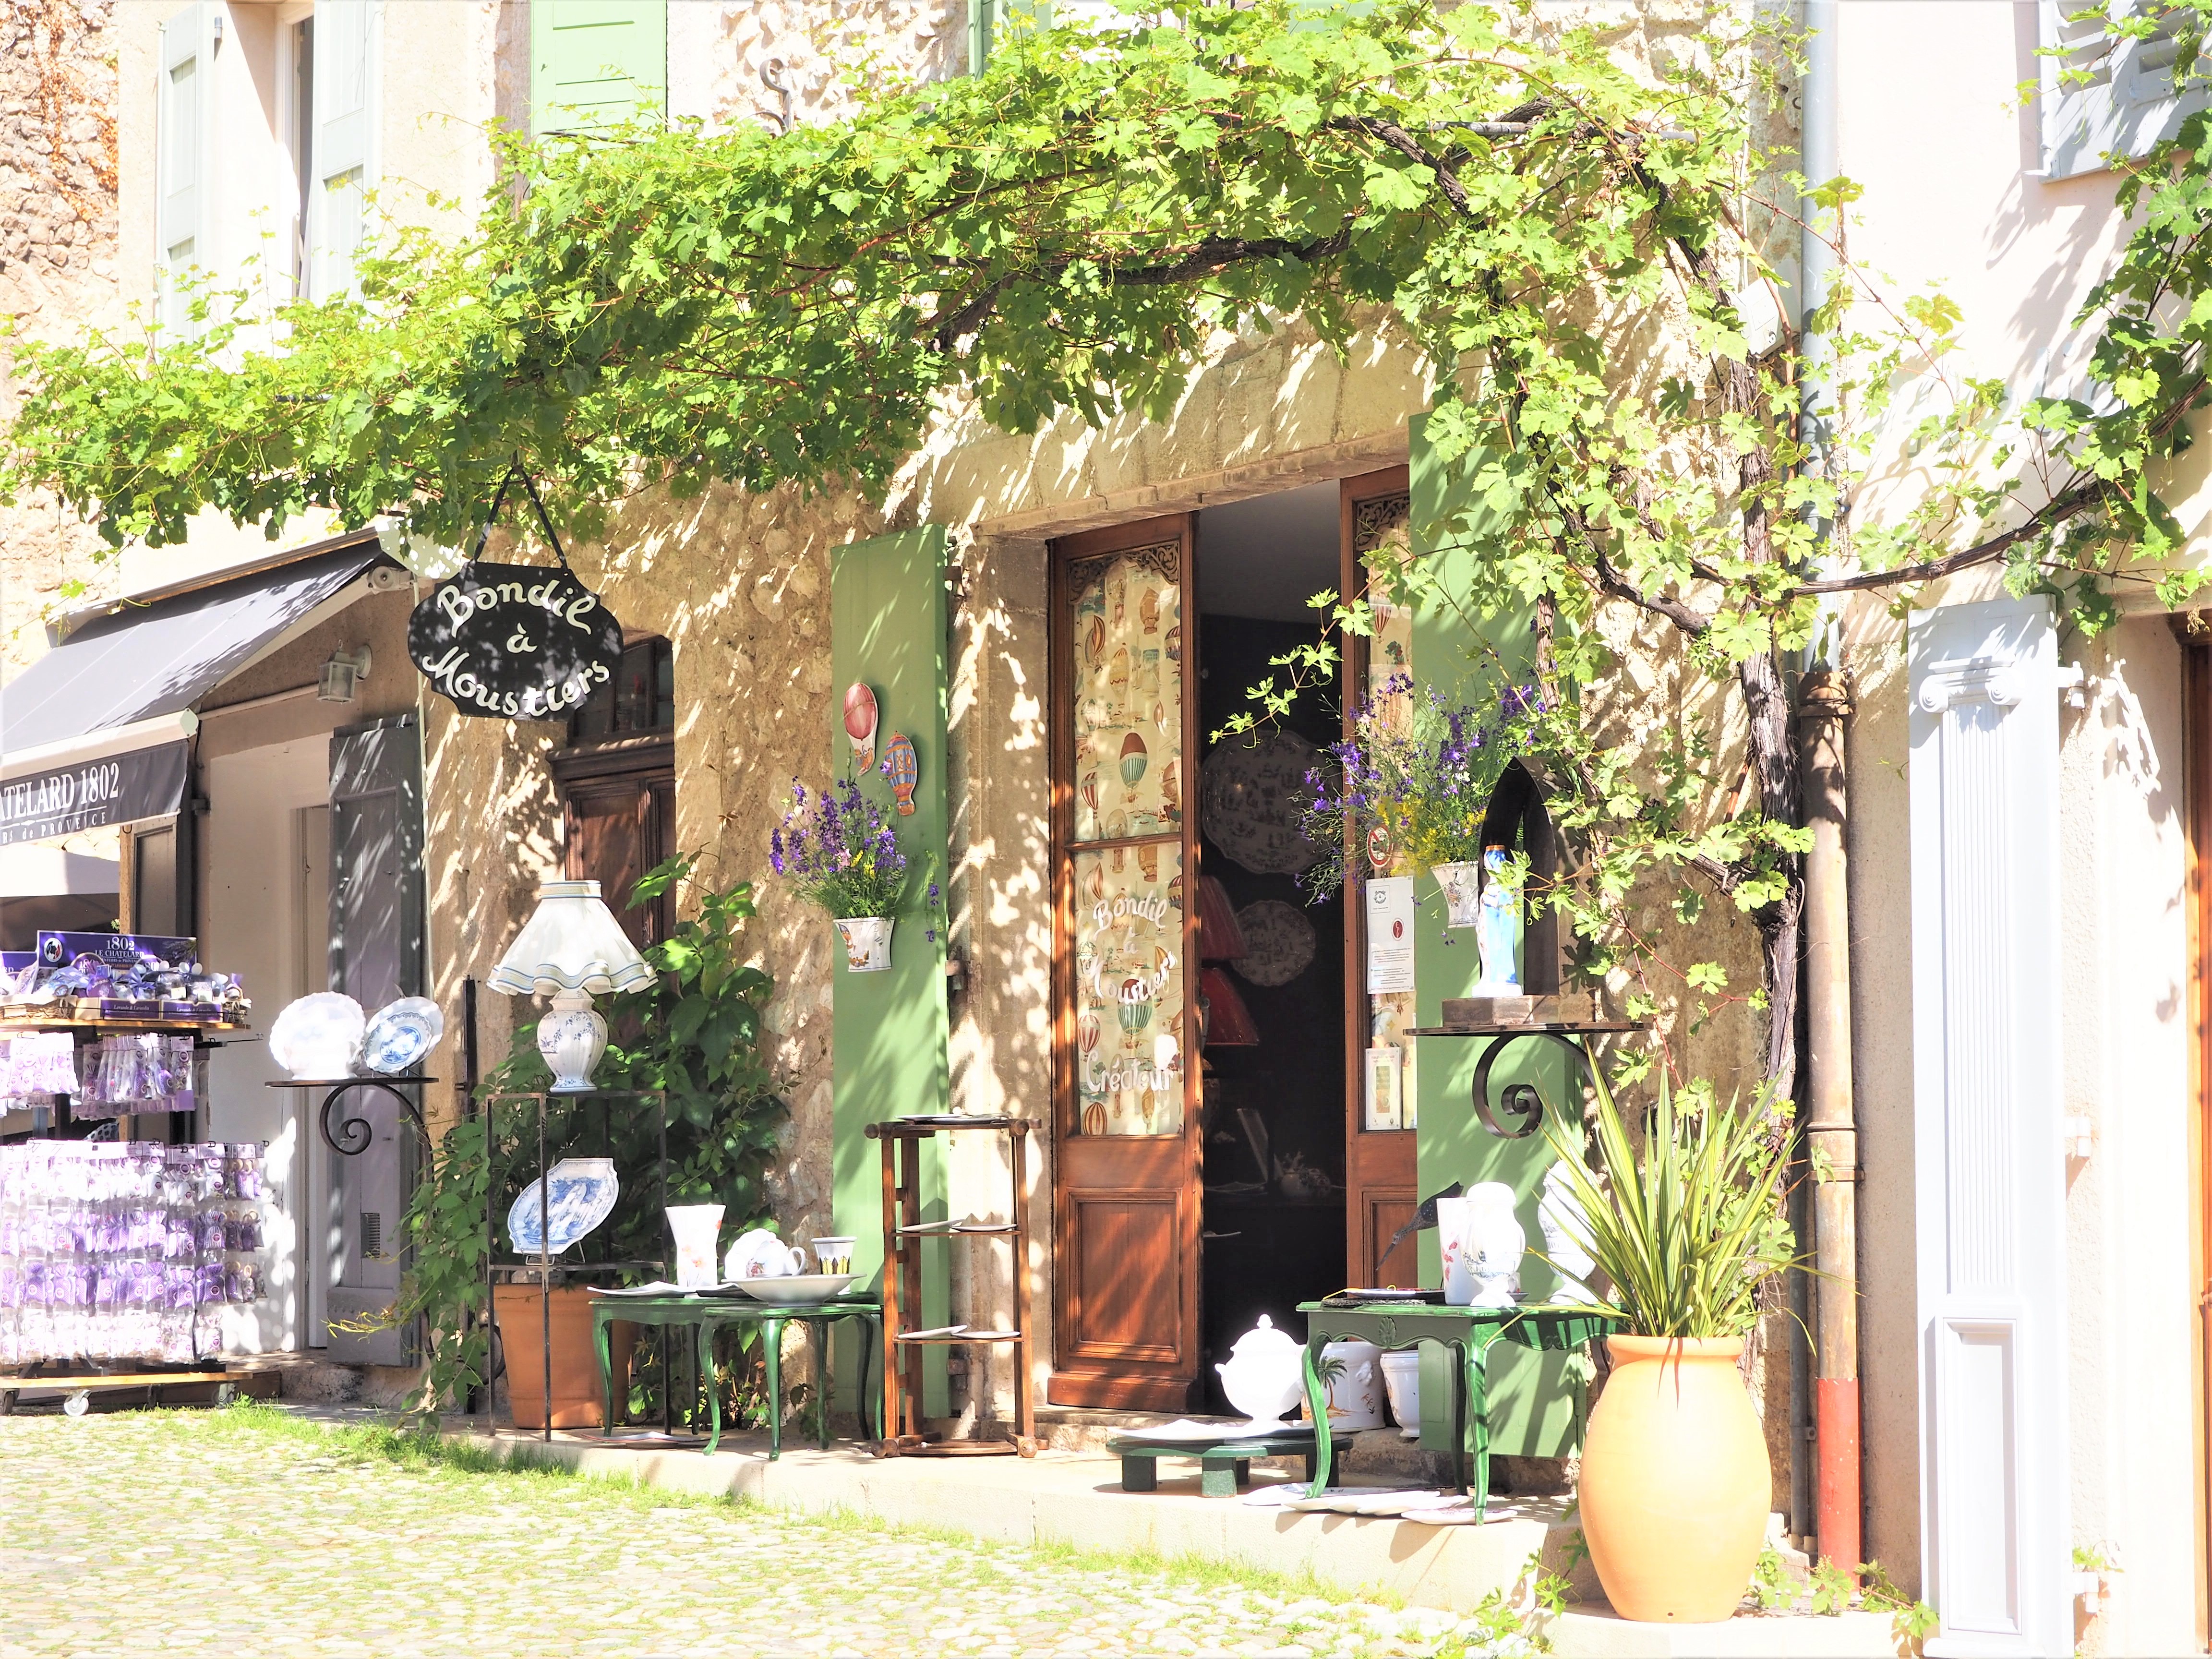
(900, 1139)
(543, 1269)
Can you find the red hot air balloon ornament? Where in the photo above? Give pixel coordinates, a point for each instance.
(860, 726)
(900, 767)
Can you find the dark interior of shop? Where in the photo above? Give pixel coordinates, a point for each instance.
(1274, 1079)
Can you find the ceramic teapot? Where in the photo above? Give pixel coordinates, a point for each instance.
(1263, 1375)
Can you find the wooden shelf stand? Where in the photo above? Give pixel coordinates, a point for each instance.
(901, 1141)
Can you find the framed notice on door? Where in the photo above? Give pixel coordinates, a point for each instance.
(1389, 904)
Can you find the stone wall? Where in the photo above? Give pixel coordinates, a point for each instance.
(58, 161)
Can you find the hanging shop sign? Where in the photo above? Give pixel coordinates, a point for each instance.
(514, 641)
(60, 801)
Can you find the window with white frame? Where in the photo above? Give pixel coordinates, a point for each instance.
(265, 139)
(2104, 96)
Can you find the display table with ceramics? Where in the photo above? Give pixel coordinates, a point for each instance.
(711, 1312)
(1468, 1332)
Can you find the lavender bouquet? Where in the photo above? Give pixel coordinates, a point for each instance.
(838, 850)
(1414, 778)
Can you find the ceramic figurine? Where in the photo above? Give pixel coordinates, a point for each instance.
(1497, 930)
(900, 767)
(860, 726)
(1492, 1245)
(1263, 1375)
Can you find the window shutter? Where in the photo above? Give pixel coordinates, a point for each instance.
(2129, 102)
(1989, 1202)
(376, 955)
(341, 155)
(181, 144)
(986, 18)
(594, 62)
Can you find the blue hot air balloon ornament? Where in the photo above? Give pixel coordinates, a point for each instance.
(902, 768)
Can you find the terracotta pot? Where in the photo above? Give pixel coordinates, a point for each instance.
(576, 1399)
(1675, 1483)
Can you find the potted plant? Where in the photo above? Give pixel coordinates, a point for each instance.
(1412, 785)
(837, 849)
(1676, 1484)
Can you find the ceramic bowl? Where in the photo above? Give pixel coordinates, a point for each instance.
(318, 1036)
(797, 1287)
(401, 1035)
(580, 1193)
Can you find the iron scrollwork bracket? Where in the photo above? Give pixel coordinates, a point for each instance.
(350, 1137)
(1521, 1103)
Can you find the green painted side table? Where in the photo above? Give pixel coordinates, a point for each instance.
(1468, 1331)
(1224, 1465)
(710, 1314)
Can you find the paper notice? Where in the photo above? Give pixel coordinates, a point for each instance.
(1389, 902)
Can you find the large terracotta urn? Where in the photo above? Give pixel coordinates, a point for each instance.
(1675, 1483)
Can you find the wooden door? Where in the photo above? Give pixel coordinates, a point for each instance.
(1379, 1176)
(618, 812)
(1126, 1171)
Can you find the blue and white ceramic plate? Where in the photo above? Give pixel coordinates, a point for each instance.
(402, 1034)
(580, 1195)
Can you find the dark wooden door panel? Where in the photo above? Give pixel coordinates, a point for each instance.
(1126, 1289)
(1388, 1209)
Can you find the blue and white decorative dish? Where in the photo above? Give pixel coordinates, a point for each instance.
(580, 1194)
(402, 1034)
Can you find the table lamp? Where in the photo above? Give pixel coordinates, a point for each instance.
(571, 947)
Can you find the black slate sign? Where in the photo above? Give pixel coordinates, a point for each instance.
(514, 641)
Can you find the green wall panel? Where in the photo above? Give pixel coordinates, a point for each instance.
(887, 630)
(1531, 1408)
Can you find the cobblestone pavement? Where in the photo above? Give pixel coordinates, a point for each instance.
(245, 1532)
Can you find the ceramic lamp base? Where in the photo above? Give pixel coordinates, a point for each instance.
(572, 1036)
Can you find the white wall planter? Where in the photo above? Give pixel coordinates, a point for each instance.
(867, 943)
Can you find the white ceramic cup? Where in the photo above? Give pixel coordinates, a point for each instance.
(834, 1255)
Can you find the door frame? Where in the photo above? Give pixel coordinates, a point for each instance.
(1077, 1379)
(1379, 1167)
(2196, 639)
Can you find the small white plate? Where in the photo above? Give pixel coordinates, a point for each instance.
(318, 1036)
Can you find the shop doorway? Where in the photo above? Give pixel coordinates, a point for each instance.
(617, 781)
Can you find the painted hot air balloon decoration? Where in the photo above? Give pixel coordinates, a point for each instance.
(860, 726)
(1134, 759)
(1086, 1031)
(1175, 893)
(1096, 881)
(1175, 643)
(903, 769)
(1094, 638)
(1171, 788)
(1094, 1118)
(1148, 861)
(1117, 679)
(1090, 792)
(1148, 611)
(1132, 1005)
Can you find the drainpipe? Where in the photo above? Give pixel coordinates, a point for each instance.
(1831, 1134)
(1832, 1129)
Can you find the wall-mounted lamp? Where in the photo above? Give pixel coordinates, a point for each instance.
(2081, 1135)
(341, 674)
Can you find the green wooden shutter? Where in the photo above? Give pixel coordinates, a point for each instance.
(593, 62)
(1534, 1410)
(987, 20)
(888, 1056)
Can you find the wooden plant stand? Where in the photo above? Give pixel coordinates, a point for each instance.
(901, 1141)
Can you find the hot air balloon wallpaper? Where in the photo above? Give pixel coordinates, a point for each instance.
(1132, 1006)
(1148, 611)
(1118, 591)
(903, 769)
(1094, 639)
(1089, 789)
(1086, 1031)
(1175, 643)
(1117, 677)
(1094, 1118)
(860, 726)
(1171, 787)
(1148, 861)
(1133, 760)
(1175, 893)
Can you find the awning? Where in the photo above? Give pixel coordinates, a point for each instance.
(95, 731)
(139, 663)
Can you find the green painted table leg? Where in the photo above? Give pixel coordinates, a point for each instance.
(1477, 1359)
(1217, 1476)
(706, 1378)
(819, 1330)
(1140, 1474)
(1317, 1406)
(599, 1319)
(1459, 1419)
(772, 1335)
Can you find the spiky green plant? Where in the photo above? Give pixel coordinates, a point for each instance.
(1687, 1230)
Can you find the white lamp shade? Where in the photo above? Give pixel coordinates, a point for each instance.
(572, 943)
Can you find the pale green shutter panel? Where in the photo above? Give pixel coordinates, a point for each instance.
(181, 113)
(988, 18)
(1536, 1407)
(593, 62)
(889, 1059)
(341, 155)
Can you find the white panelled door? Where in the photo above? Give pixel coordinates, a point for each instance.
(1989, 1177)
(182, 131)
